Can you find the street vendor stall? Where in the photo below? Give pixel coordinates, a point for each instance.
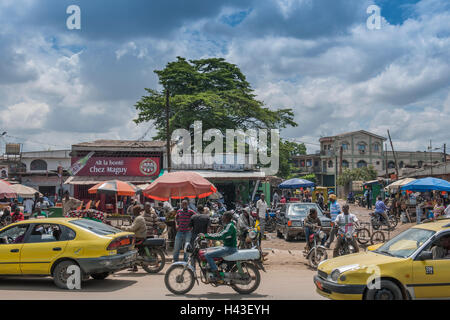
(426, 185)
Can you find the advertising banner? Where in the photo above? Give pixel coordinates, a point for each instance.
(105, 166)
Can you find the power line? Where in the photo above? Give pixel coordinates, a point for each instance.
(36, 142)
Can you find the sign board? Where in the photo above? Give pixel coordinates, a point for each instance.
(120, 166)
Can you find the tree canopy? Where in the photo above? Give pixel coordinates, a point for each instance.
(357, 174)
(209, 90)
(287, 151)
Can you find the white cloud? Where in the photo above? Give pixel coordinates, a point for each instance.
(29, 114)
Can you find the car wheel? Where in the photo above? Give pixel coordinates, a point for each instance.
(60, 274)
(100, 276)
(387, 291)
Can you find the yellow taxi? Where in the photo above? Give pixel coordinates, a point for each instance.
(413, 265)
(50, 247)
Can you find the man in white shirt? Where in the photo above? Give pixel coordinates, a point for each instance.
(346, 223)
(28, 204)
(261, 206)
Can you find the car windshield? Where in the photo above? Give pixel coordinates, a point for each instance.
(96, 227)
(302, 209)
(406, 243)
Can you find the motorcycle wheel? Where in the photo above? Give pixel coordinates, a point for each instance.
(363, 236)
(156, 266)
(248, 268)
(377, 237)
(177, 282)
(317, 256)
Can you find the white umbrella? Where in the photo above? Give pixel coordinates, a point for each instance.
(398, 184)
(24, 191)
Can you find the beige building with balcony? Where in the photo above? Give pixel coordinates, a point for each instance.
(359, 149)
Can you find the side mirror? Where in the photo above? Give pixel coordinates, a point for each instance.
(425, 255)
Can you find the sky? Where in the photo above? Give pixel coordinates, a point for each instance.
(318, 57)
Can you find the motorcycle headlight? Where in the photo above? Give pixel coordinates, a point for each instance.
(335, 275)
(252, 234)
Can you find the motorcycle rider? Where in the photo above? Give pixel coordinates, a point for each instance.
(244, 223)
(335, 210)
(311, 223)
(140, 230)
(151, 220)
(345, 222)
(228, 235)
(380, 209)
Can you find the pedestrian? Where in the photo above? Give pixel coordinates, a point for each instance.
(200, 222)
(184, 230)
(28, 204)
(276, 198)
(320, 201)
(261, 206)
(140, 231)
(151, 220)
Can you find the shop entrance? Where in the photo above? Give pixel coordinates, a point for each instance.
(48, 190)
(228, 190)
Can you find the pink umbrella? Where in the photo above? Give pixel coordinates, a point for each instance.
(179, 185)
(6, 191)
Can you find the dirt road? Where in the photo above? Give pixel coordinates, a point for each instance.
(288, 277)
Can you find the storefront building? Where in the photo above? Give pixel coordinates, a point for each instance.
(138, 162)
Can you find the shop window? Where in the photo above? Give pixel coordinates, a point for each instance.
(38, 165)
(420, 164)
(308, 163)
(345, 164)
(391, 164)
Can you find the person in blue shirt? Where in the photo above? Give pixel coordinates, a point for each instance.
(380, 208)
(335, 210)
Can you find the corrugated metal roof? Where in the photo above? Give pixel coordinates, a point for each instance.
(121, 143)
(211, 174)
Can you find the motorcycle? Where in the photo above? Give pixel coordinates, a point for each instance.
(317, 253)
(346, 240)
(151, 254)
(270, 221)
(377, 220)
(252, 239)
(240, 270)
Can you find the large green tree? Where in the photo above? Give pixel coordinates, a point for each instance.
(357, 174)
(211, 90)
(288, 150)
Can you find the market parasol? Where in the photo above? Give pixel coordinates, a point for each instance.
(296, 183)
(116, 187)
(427, 184)
(6, 190)
(399, 183)
(179, 185)
(25, 191)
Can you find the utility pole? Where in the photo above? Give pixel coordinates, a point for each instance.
(169, 161)
(395, 157)
(431, 158)
(386, 161)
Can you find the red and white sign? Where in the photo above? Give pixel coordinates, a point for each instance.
(103, 166)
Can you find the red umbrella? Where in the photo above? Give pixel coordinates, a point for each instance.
(179, 185)
(6, 191)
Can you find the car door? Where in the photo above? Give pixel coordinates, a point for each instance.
(431, 278)
(42, 247)
(11, 243)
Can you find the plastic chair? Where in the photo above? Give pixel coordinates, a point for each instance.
(88, 205)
